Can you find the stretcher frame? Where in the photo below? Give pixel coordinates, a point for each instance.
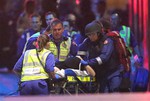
(61, 86)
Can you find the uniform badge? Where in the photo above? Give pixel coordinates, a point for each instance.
(64, 45)
(106, 42)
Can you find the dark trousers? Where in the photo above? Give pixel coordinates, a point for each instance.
(111, 83)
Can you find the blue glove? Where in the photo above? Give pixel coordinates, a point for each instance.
(84, 63)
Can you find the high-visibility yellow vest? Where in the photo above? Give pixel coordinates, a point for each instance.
(32, 68)
(64, 49)
(125, 34)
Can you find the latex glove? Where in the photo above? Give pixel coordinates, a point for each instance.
(84, 63)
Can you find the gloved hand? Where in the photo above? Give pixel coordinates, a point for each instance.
(84, 63)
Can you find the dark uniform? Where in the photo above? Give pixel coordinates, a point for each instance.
(22, 41)
(102, 57)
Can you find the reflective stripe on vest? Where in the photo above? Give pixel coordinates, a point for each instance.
(125, 34)
(32, 69)
(64, 49)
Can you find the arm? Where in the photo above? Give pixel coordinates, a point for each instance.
(73, 49)
(88, 68)
(136, 52)
(21, 43)
(107, 50)
(82, 51)
(49, 66)
(18, 66)
(105, 54)
(134, 45)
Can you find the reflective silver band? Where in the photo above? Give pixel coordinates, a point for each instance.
(41, 74)
(99, 60)
(82, 53)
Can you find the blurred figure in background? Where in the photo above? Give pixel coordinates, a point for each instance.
(35, 26)
(23, 20)
(130, 41)
(49, 16)
(71, 25)
(46, 6)
(99, 8)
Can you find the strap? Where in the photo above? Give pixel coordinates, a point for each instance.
(39, 59)
(79, 66)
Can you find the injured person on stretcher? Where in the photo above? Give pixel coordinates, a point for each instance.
(72, 67)
(72, 78)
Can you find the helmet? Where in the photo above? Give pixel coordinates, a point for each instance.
(115, 16)
(93, 27)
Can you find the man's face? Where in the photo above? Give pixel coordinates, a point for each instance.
(66, 25)
(93, 37)
(49, 18)
(57, 31)
(36, 23)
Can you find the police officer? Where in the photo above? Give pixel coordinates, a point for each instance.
(98, 51)
(130, 41)
(35, 66)
(125, 33)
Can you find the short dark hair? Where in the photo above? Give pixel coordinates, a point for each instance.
(49, 12)
(35, 15)
(55, 22)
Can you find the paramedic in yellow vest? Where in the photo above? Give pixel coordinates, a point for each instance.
(61, 46)
(35, 66)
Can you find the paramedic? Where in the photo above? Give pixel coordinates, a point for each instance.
(99, 52)
(36, 66)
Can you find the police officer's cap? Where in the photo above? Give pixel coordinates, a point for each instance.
(93, 27)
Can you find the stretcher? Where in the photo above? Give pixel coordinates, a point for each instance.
(74, 85)
(81, 78)
(75, 80)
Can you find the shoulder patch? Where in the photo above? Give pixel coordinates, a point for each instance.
(105, 42)
(64, 45)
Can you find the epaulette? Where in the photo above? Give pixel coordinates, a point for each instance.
(65, 38)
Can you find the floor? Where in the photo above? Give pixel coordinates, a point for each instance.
(8, 84)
